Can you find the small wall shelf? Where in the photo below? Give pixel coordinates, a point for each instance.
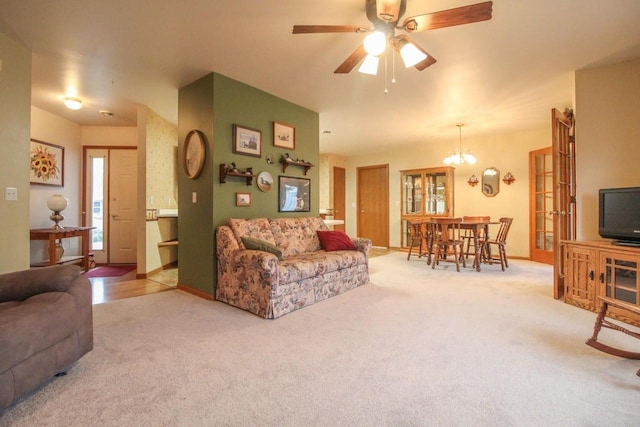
(224, 173)
(285, 164)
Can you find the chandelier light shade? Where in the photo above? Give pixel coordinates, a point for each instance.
(460, 155)
(369, 65)
(375, 43)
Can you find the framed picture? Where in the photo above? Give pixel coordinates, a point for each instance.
(294, 194)
(46, 165)
(247, 141)
(243, 199)
(284, 136)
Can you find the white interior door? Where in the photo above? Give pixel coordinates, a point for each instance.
(123, 172)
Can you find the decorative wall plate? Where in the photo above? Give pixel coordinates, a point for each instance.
(265, 181)
(193, 153)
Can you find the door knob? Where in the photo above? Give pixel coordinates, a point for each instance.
(361, 210)
(115, 216)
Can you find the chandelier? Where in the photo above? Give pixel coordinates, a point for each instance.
(460, 156)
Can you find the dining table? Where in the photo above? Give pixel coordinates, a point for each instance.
(476, 227)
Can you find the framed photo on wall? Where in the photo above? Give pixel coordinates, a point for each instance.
(243, 199)
(284, 136)
(46, 163)
(294, 194)
(247, 141)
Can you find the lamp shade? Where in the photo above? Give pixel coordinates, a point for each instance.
(57, 203)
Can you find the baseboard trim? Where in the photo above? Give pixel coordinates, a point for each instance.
(195, 292)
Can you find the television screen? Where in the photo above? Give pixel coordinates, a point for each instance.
(619, 214)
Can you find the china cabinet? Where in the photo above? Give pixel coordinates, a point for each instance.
(425, 193)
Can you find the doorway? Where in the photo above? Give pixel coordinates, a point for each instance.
(110, 203)
(373, 204)
(338, 204)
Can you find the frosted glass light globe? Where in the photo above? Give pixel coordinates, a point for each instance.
(375, 43)
(57, 203)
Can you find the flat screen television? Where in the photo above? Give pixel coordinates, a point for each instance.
(619, 215)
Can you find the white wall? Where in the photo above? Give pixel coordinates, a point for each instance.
(56, 130)
(607, 137)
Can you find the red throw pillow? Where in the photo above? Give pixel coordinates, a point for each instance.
(335, 241)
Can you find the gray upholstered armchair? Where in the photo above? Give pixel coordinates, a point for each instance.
(46, 324)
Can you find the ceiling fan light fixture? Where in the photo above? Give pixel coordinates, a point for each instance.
(411, 55)
(369, 65)
(375, 43)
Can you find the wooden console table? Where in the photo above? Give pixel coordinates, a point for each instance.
(52, 234)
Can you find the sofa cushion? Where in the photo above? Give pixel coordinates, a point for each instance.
(257, 228)
(297, 235)
(26, 328)
(261, 245)
(335, 241)
(307, 265)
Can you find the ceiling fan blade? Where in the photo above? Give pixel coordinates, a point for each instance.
(310, 29)
(428, 61)
(353, 59)
(449, 18)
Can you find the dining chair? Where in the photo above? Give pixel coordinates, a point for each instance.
(447, 242)
(468, 237)
(500, 242)
(416, 238)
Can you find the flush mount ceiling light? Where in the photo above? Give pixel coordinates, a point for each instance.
(72, 103)
(460, 156)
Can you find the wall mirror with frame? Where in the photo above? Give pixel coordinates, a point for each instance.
(490, 182)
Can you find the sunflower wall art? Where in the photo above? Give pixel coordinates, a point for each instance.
(46, 164)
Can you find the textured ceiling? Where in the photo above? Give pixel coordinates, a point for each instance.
(495, 76)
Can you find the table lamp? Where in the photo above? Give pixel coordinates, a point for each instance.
(57, 203)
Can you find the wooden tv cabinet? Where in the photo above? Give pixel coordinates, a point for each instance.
(595, 269)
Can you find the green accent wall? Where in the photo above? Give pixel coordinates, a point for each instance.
(214, 104)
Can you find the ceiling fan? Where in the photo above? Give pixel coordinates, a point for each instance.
(385, 16)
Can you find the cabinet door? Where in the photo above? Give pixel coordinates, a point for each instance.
(619, 280)
(580, 274)
(412, 194)
(619, 276)
(439, 192)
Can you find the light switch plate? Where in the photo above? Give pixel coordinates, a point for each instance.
(10, 193)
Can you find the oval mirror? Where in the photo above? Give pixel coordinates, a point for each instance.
(490, 182)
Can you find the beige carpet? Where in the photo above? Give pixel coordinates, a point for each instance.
(415, 347)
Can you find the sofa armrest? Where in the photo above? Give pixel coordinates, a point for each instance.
(362, 244)
(266, 263)
(20, 285)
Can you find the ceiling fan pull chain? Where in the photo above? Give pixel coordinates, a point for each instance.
(386, 91)
(393, 67)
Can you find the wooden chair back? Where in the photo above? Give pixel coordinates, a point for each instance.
(505, 224)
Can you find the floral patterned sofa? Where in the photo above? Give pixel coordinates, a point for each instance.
(259, 282)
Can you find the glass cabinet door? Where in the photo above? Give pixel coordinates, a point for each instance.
(437, 200)
(412, 195)
(619, 274)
